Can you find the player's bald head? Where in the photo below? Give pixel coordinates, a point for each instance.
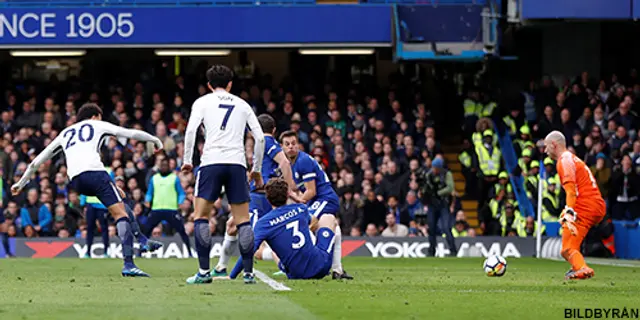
(555, 144)
(557, 138)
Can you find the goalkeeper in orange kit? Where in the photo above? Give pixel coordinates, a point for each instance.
(585, 207)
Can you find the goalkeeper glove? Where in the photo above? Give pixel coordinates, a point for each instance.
(567, 218)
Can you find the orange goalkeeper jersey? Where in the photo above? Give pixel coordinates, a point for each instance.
(578, 182)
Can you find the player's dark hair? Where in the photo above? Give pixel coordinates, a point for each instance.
(277, 192)
(267, 123)
(88, 111)
(287, 134)
(219, 76)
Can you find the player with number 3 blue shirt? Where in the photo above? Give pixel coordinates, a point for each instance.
(80, 144)
(317, 191)
(286, 230)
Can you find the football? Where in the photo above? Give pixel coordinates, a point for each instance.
(495, 266)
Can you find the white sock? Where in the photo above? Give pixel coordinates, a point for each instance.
(203, 272)
(313, 238)
(267, 253)
(337, 252)
(227, 248)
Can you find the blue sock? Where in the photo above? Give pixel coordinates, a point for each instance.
(245, 242)
(203, 243)
(5, 243)
(135, 227)
(123, 226)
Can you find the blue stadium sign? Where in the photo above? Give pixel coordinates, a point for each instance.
(206, 26)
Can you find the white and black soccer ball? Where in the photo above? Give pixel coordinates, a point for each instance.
(495, 266)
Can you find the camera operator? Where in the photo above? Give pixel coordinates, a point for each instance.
(436, 187)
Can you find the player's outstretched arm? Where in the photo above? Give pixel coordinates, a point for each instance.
(132, 134)
(285, 168)
(51, 150)
(195, 120)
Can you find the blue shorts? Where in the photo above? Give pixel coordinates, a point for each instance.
(233, 177)
(318, 207)
(98, 184)
(321, 260)
(258, 206)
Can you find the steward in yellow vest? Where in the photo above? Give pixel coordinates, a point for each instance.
(531, 181)
(551, 202)
(165, 195)
(529, 228)
(525, 138)
(489, 156)
(510, 220)
(503, 182)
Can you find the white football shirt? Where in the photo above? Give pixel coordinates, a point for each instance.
(225, 118)
(81, 143)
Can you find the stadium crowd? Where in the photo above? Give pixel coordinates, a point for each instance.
(369, 145)
(599, 121)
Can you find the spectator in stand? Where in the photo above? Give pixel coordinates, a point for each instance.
(413, 207)
(548, 123)
(28, 118)
(394, 182)
(351, 214)
(461, 227)
(372, 230)
(393, 228)
(624, 116)
(602, 174)
(625, 191)
(35, 216)
(374, 211)
(367, 152)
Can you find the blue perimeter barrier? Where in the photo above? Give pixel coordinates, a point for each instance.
(627, 238)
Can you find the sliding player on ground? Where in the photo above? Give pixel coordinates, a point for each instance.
(79, 143)
(585, 207)
(286, 230)
(317, 192)
(222, 164)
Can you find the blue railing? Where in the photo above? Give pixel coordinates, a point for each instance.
(106, 3)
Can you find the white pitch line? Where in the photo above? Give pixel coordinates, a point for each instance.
(275, 285)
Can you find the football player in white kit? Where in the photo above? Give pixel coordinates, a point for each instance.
(80, 144)
(222, 164)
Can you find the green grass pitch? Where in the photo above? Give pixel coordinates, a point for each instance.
(386, 289)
